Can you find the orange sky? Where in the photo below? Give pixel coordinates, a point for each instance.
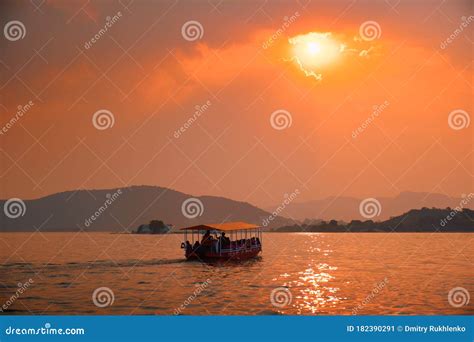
(151, 79)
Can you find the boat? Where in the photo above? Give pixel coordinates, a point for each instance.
(222, 241)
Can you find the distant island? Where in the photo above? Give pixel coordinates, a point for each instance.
(415, 220)
(154, 227)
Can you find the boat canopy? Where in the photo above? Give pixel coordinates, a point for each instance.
(228, 226)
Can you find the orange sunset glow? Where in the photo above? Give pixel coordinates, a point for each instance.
(163, 159)
(328, 65)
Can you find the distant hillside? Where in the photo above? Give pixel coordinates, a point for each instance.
(128, 208)
(416, 220)
(347, 208)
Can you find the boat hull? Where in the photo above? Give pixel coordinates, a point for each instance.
(228, 255)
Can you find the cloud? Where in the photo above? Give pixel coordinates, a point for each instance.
(366, 53)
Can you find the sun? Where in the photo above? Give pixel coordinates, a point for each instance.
(313, 48)
(314, 51)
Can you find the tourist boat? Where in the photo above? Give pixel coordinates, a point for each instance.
(223, 241)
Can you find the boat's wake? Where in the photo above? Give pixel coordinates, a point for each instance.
(93, 264)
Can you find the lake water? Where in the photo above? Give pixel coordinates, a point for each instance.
(297, 273)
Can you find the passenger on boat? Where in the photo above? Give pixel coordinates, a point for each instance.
(208, 242)
(188, 247)
(224, 241)
(196, 246)
(206, 236)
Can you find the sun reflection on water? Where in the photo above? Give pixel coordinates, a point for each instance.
(311, 287)
(314, 292)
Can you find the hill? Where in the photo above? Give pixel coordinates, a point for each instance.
(347, 208)
(124, 210)
(415, 220)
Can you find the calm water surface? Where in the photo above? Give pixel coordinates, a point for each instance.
(315, 273)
